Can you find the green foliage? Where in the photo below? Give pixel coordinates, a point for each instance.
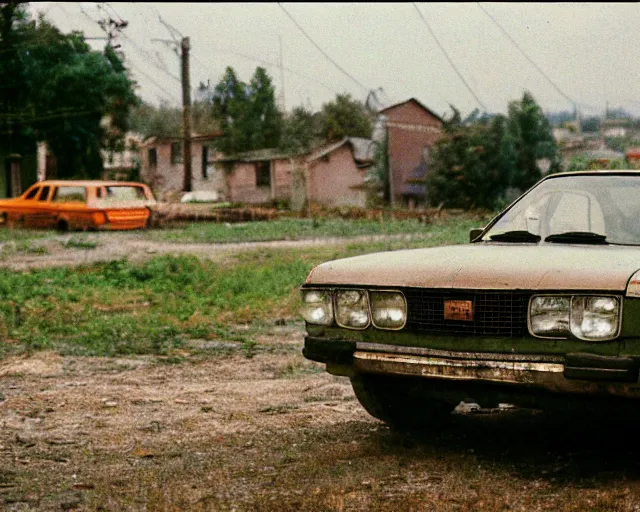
(479, 159)
(345, 117)
(247, 114)
(533, 141)
(472, 164)
(583, 163)
(590, 124)
(378, 175)
(62, 92)
(300, 131)
(165, 121)
(621, 144)
(151, 121)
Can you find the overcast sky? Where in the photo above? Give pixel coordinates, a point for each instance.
(575, 52)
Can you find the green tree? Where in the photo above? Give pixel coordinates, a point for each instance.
(162, 121)
(345, 117)
(230, 110)
(377, 178)
(299, 131)
(533, 141)
(247, 113)
(472, 163)
(62, 92)
(265, 119)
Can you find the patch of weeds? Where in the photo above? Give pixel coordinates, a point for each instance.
(172, 359)
(249, 348)
(278, 409)
(21, 247)
(79, 243)
(298, 368)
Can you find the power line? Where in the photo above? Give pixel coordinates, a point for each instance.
(158, 85)
(143, 52)
(526, 56)
(321, 50)
(150, 78)
(449, 59)
(273, 64)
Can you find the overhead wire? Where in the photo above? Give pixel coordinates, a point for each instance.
(455, 68)
(513, 41)
(322, 51)
(149, 77)
(273, 64)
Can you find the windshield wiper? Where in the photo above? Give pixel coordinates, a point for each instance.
(516, 236)
(578, 237)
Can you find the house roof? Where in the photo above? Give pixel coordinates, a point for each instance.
(363, 149)
(633, 153)
(195, 137)
(256, 156)
(603, 154)
(417, 103)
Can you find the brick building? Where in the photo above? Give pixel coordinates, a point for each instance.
(412, 129)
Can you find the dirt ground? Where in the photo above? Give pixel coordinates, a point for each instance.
(221, 431)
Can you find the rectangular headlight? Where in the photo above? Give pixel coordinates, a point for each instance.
(549, 315)
(352, 309)
(595, 318)
(317, 307)
(587, 317)
(388, 309)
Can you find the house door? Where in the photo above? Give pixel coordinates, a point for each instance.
(7, 179)
(13, 178)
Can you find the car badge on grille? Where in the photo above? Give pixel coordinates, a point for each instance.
(458, 310)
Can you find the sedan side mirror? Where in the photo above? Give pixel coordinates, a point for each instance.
(474, 233)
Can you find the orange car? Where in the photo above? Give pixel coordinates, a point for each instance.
(80, 205)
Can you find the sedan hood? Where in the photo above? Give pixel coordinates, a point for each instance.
(488, 266)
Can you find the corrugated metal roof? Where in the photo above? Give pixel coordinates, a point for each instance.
(363, 150)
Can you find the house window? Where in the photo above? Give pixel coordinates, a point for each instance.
(153, 158)
(263, 174)
(205, 161)
(176, 152)
(44, 195)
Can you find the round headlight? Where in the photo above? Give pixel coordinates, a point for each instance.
(352, 309)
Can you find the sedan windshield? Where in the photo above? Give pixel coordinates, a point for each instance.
(583, 209)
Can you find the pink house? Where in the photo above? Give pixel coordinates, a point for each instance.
(336, 173)
(256, 177)
(162, 166)
(333, 175)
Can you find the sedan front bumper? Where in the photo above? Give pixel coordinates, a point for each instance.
(571, 373)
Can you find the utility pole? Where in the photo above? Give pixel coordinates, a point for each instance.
(186, 112)
(185, 46)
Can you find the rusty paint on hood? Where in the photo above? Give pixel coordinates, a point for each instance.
(490, 266)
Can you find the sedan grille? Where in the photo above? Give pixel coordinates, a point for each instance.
(496, 313)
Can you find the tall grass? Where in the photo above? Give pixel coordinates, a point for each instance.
(294, 229)
(157, 306)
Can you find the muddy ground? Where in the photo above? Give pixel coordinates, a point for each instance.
(216, 430)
